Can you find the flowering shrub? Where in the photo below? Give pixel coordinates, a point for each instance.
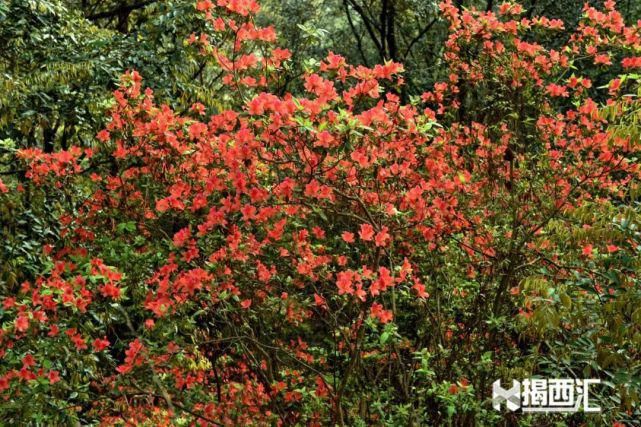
(341, 257)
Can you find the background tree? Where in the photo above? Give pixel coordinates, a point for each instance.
(313, 243)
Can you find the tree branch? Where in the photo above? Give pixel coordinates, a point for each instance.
(368, 25)
(359, 41)
(120, 10)
(418, 37)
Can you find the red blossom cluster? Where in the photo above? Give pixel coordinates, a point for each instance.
(310, 210)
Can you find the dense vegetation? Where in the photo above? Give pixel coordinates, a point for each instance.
(317, 212)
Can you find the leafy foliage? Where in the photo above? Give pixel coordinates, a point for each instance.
(227, 252)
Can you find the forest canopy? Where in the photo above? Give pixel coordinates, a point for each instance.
(317, 212)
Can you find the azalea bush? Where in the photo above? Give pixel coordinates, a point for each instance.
(339, 257)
